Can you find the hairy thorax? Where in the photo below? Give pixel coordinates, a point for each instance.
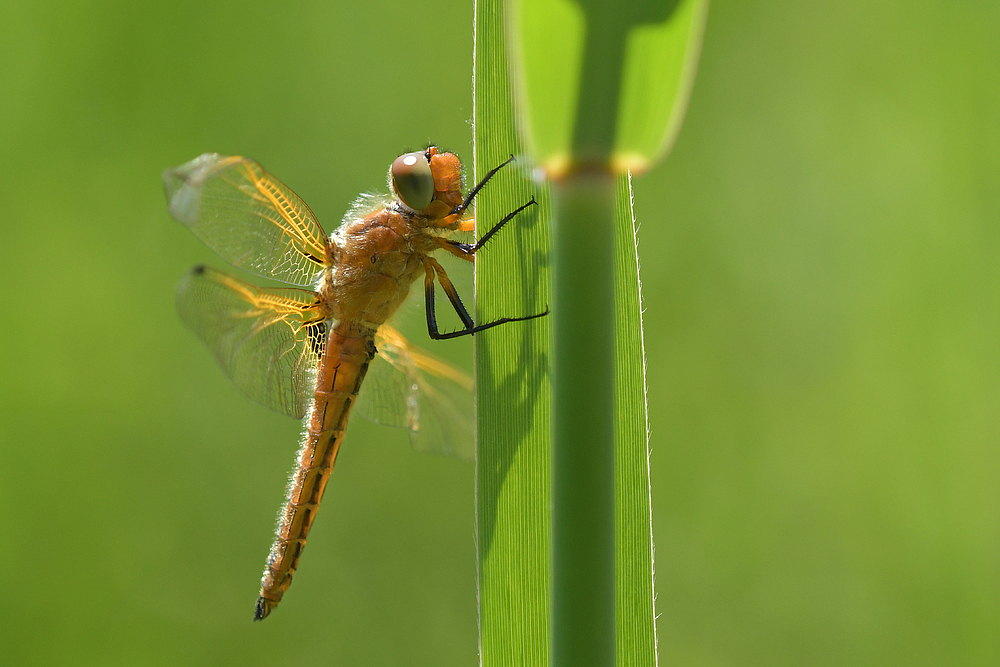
(380, 256)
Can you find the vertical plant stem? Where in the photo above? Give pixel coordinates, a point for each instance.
(583, 523)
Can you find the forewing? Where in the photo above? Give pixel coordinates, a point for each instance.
(268, 341)
(408, 388)
(251, 219)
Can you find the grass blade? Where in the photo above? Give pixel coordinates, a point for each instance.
(512, 467)
(582, 69)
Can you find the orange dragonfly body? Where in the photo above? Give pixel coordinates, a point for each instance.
(305, 352)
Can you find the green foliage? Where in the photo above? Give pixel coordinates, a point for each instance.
(598, 81)
(513, 392)
(573, 61)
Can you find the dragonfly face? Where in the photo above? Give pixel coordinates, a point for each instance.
(305, 351)
(425, 176)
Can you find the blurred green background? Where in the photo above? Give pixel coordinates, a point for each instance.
(820, 257)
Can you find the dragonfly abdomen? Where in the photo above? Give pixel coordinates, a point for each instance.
(341, 372)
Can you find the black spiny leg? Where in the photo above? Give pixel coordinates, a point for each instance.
(471, 248)
(466, 250)
(431, 268)
(479, 186)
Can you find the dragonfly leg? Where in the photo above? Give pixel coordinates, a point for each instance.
(432, 268)
(479, 186)
(467, 250)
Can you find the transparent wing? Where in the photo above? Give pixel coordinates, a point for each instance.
(408, 388)
(268, 341)
(249, 217)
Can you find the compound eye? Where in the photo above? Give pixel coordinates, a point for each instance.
(412, 180)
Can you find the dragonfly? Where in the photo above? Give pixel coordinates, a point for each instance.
(305, 351)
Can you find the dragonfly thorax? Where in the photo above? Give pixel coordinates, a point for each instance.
(381, 255)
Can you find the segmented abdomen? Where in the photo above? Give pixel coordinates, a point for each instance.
(341, 372)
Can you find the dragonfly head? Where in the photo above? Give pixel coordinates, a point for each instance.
(428, 182)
